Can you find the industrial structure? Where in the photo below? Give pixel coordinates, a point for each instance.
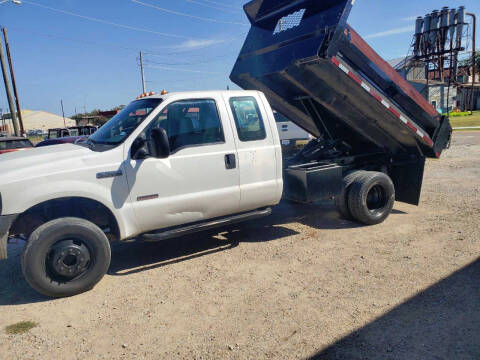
(438, 65)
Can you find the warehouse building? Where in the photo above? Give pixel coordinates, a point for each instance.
(36, 122)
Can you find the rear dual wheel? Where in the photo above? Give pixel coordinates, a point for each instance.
(341, 200)
(368, 197)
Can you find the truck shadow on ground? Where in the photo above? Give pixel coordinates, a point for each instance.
(441, 322)
(14, 290)
(137, 257)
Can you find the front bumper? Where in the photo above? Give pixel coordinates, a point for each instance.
(5, 225)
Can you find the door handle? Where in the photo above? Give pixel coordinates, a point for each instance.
(230, 161)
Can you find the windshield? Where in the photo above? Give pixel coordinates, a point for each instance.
(124, 123)
(72, 132)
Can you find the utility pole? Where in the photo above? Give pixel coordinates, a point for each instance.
(143, 73)
(8, 90)
(474, 53)
(63, 114)
(14, 83)
(2, 129)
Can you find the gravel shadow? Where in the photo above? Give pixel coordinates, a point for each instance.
(137, 257)
(14, 290)
(441, 322)
(130, 258)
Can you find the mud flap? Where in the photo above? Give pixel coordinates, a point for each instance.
(5, 224)
(442, 136)
(407, 176)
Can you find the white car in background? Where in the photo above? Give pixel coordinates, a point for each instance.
(290, 132)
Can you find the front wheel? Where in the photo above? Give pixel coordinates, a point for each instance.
(65, 257)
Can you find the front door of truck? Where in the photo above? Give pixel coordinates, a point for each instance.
(199, 180)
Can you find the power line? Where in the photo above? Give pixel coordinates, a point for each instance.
(107, 44)
(193, 63)
(212, 6)
(85, 42)
(188, 15)
(106, 22)
(184, 70)
(220, 4)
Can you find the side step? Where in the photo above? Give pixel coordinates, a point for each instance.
(202, 226)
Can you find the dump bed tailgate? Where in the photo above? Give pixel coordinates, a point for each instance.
(316, 70)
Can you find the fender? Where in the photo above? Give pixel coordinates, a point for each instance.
(114, 197)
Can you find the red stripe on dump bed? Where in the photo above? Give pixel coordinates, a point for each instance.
(374, 94)
(369, 88)
(394, 112)
(410, 125)
(361, 45)
(357, 80)
(428, 141)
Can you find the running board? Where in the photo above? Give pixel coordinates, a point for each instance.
(202, 226)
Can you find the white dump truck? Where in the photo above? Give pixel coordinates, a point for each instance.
(172, 164)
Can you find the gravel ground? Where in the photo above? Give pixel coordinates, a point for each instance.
(299, 284)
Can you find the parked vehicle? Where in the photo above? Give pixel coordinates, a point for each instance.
(292, 137)
(172, 164)
(67, 135)
(70, 132)
(12, 144)
(35, 132)
(62, 140)
(289, 131)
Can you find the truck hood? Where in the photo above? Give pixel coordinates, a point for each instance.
(21, 165)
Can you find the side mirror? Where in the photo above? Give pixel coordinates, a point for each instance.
(161, 145)
(138, 149)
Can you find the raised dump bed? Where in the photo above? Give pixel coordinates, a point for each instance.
(316, 70)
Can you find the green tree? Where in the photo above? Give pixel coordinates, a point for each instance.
(467, 63)
(94, 116)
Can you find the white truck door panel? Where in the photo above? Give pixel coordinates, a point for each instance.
(256, 152)
(193, 184)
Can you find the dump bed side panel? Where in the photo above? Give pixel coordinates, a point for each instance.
(312, 65)
(391, 82)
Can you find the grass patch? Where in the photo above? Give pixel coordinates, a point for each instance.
(20, 328)
(456, 114)
(466, 121)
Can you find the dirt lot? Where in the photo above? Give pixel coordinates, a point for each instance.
(299, 284)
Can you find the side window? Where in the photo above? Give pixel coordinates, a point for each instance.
(189, 123)
(247, 116)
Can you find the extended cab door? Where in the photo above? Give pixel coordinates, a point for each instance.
(200, 179)
(259, 151)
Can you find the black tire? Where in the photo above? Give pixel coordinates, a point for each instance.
(341, 201)
(66, 257)
(371, 198)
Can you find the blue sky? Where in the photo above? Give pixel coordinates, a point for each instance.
(86, 51)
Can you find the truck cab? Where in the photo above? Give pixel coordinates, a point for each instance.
(165, 165)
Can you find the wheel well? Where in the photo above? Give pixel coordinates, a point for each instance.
(83, 208)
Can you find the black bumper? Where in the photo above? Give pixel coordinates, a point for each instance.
(5, 225)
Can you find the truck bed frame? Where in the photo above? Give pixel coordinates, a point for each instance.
(317, 71)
